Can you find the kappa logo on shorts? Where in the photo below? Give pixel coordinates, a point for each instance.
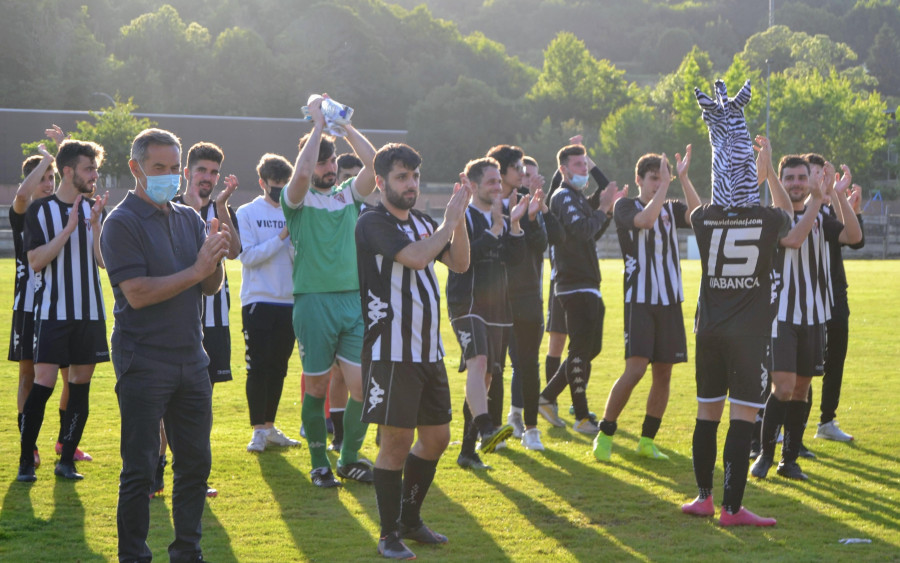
(376, 309)
(763, 378)
(15, 339)
(464, 339)
(375, 394)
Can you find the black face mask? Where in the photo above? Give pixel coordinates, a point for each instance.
(275, 194)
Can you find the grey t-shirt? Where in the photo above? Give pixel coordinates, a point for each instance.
(140, 240)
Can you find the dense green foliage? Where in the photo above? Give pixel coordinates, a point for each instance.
(463, 75)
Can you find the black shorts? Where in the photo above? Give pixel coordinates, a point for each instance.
(477, 338)
(556, 315)
(800, 349)
(217, 343)
(406, 394)
(21, 336)
(655, 332)
(268, 338)
(734, 366)
(70, 342)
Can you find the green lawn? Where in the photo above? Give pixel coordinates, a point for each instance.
(559, 505)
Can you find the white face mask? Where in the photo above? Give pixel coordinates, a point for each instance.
(578, 181)
(161, 189)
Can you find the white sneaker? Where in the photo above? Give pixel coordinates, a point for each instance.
(514, 419)
(587, 426)
(831, 431)
(550, 413)
(531, 440)
(277, 437)
(258, 442)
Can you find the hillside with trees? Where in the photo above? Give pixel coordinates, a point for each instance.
(463, 75)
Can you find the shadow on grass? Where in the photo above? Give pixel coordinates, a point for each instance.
(68, 516)
(300, 501)
(467, 535)
(602, 511)
(216, 543)
(841, 493)
(860, 468)
(59, 538)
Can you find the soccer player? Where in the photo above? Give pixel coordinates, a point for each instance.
(62, 244)
(804, 306)
(737, 239)
(526, 284)
(162, 261)
(39, 172)
(327, 318)
(201, 175)
(578, 283)
(348, 166)
(837, 328)
(654, 325)
(556, 316)
(266, 299)
(478, 304)
(407, 391)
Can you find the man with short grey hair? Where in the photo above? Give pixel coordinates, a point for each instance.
(161, 262)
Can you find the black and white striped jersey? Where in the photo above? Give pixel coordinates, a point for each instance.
(68, 288)
(23, 290)
(401, 307)
(482, 291)
(217, 306)
(805, 273)
(738, 250)
(652, 265)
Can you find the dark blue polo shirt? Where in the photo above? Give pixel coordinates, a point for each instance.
(138, 240)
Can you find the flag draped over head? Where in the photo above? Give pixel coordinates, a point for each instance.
(733, 164)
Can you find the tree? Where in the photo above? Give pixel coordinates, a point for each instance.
(246, 71)
(48, 56)
(575, 85)
(825, 115)
(114, 128)
(455, 124)
(632, 131)
(674, 43)
(772, 45)
(165, 62)
(544, 142)
(882, 61)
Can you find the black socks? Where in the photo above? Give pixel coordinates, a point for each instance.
(704, 455)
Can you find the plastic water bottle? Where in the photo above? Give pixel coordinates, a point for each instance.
(335, 113)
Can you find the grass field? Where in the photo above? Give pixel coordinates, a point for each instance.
(557, 505)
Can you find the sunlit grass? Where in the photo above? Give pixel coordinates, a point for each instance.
(559, 505)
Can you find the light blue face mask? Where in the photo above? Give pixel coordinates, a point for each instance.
(578, 181)
(161, 189)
